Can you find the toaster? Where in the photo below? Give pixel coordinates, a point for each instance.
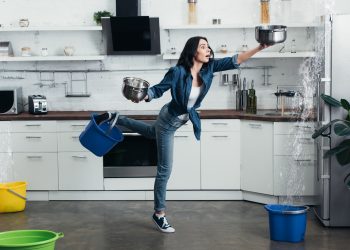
(37, 104)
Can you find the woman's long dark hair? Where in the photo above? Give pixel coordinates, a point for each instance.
(189, 52)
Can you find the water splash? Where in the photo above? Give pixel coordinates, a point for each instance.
(302, 161)
(6, 162)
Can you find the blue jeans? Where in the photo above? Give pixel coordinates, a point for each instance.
(163, 131)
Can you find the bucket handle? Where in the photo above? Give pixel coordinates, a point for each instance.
(113, 123)
(60, 235)
(17, 194)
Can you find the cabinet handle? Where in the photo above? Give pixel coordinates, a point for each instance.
(252, 125)
(299, 126)
(33, 125)
(220, 136)
(219, 123)
(33, 137)
(34, 156)
(303, 160)
(78, 125)
(79, 157)
(75, 137)
(181, 136)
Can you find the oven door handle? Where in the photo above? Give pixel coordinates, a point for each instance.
(131, 134)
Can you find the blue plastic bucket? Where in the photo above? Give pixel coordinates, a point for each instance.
(100, 139)
(287, 222)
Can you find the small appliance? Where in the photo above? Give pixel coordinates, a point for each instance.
(37, 104)
(11, 102)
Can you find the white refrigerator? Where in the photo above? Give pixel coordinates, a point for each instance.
(333, 206)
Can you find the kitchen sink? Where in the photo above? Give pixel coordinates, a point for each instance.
(280, 114)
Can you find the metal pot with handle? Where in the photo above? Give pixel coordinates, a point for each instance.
(135, 89)
(270, 34)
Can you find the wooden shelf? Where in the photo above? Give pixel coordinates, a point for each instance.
(232, 26)
(52, 28)
(51, 58)
(303, 54)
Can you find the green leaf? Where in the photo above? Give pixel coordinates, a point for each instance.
(331, 101)
(342, 128)
(318, 132)
(345, 104)
(343, 156)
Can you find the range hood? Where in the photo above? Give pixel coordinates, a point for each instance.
(128, 33)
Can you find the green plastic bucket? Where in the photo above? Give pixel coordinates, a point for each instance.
(29, 240)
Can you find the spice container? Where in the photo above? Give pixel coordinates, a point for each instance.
(265, 11)
(223, 48)
(293, 47)
(192, 11)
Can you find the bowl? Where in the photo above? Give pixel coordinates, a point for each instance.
(270, 34)
(135, 89)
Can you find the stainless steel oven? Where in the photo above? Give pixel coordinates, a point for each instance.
(135, 156)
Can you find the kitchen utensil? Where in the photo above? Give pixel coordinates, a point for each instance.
(270, 34)
(135, 89)
(225, 79)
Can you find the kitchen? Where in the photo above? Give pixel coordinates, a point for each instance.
(77, 75)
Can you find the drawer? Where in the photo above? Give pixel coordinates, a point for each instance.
(34, 142)
(69, 141)
(33, 126)
(286, 128)
(294, 176)
(38, 169)
(221, 125)
(80, 171)
(71, 126)
(292, 144)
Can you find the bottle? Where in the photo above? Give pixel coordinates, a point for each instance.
(251, 100)
(192, 11)
(265, 11)
(293, 47)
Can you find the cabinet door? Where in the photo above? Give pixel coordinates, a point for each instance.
(294, 176)
(186, 165)
(220, 160)
(257, 156)
(38, 169)
(80, 171)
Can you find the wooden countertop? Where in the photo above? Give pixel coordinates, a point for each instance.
(151, 115)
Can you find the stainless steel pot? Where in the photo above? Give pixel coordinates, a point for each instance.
(270, 34)
(135, 89)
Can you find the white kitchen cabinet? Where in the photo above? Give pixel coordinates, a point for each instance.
(186, 162)
(257, 156)
(34, 147)
(78, 168)
(294, 159)
(220, 154)
(39, 170)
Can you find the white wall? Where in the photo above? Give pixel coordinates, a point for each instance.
(105, 87)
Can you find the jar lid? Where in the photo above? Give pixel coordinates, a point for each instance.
(192, 1)
(264, 0)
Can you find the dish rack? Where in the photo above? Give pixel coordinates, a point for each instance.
(291, 100)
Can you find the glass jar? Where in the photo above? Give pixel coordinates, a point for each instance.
(192, 11)
(265, 11)
(293, 46)
(223, 48)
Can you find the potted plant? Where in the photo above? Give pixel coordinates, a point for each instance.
(99, 14)
(341, 128)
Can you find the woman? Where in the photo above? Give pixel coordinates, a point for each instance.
(189, 82)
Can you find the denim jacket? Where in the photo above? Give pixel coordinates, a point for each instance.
(179, 81)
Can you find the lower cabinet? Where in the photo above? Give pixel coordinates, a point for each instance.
(39, 170)
(220, 154)
(257, 156)
(186, 162)
(80, 171)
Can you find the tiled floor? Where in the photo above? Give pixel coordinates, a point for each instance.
(200, 225)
